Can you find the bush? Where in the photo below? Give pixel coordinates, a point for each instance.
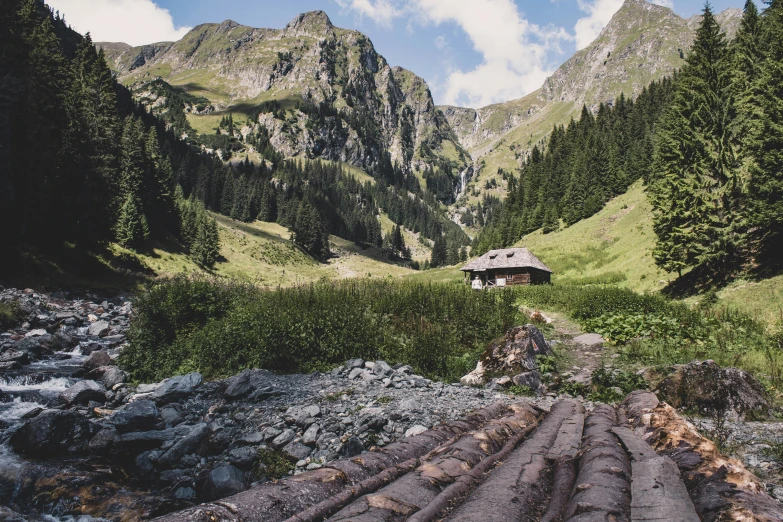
(652, 329)
(218, 329)
(10, 315)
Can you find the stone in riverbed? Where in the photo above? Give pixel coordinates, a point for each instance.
(141, 415)
(98, 329)
(243, 457)
(296, 451)
(83, 392)
(176, 388)
(186, 444)
(352, 447)
(98, 359)
(223, 481)
(52, 433)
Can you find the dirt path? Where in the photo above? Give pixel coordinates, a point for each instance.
(584, 352)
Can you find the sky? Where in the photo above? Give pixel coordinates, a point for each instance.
(471, 52)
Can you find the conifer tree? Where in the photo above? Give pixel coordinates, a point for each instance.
(765, 141)
(132, 229)
(697, 187)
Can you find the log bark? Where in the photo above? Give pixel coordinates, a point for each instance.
(720, 488)
(275, 502)
(434, 471)
(657, 492)
(564, 454)
(603, 486)
(519, 487)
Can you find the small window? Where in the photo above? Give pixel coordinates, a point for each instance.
(493, 256)
(510, 254)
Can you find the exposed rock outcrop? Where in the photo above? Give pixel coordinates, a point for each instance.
(513, 355)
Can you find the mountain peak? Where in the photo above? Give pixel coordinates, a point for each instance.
(312, 22)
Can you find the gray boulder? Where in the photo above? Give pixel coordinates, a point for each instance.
(83, 392)
(352, 447)
(223, 481)
(98, 329)
(382, 368)
(186, 444)
(98, 359)
(176, 388)
(706, 387)
(111, 376)
(296, 451)
(52, 433)
(283, 439)
(310, 436)
(141, 415)
(354, 363)
(243, 457)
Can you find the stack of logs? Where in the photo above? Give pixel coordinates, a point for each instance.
(637, 462)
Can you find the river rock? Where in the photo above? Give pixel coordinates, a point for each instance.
(247, 382)
(176, 388)
(511, 355)
(296, 451)
(352, 447)
(243, 457)
(98, 329)
(141, 415)
(186, 444)
(223, 481)
(111, 376)
(52, 433)
(283, 439)
(705, 386)
(310, 436)
(98, 359)
(83, 392)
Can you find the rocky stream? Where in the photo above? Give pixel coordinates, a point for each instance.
(78, 442)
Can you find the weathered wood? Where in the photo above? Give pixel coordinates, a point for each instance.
(603, 486)
(657, 492)
(277, 501)
(720, 488)
(564, 453)
(442, 467)
(463, 485)
(518, 487)
(569, 437)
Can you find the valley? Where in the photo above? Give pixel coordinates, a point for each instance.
(230, 283)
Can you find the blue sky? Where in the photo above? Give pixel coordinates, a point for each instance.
(471, 52)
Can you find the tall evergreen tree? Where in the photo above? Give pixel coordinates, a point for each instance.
(697, 185)
(765, 142)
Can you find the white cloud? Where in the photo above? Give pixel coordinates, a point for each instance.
(380, 11)
(599, 13)
(135, 22)
(516, 53)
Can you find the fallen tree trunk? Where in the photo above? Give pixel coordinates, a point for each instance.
(721, 488)
(277, 501)
(439, 468)
(518, 487)
(603, 486)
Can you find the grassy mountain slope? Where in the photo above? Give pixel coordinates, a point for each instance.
(643, 42)
(262, 253)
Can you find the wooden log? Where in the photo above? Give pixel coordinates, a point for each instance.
(721, 488)
(657, 492)
(517, 489)
(603, 486)
(277, 501)
(436, 470)
(564, 453)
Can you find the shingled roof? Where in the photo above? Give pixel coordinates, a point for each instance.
(505, 258)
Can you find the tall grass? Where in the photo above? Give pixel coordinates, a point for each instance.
(219, 328)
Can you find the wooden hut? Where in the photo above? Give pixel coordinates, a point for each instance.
(506, 267)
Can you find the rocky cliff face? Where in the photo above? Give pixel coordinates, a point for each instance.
(340, 99)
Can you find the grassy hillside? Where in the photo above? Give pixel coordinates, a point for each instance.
(261, 253)
(613, 246)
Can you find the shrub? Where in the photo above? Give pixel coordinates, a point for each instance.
(197, 324)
